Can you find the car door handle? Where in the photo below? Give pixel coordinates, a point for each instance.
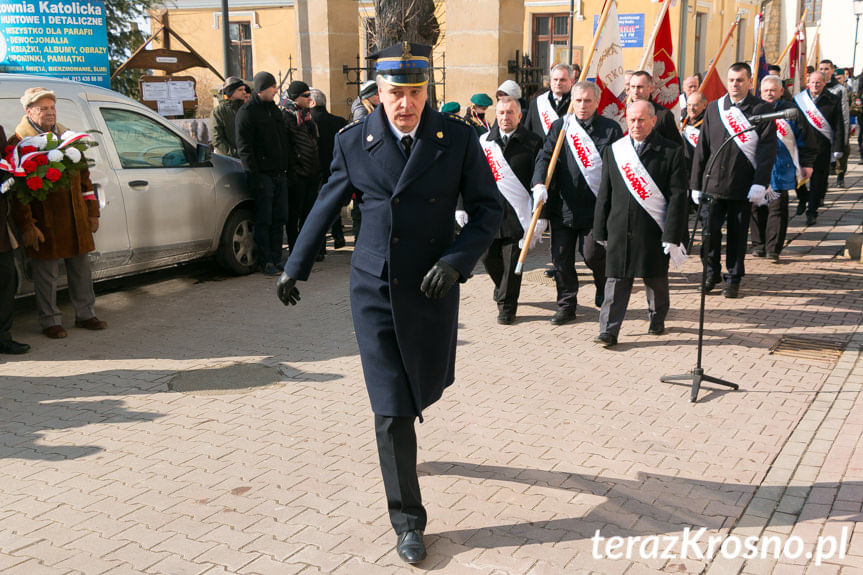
(139, 183)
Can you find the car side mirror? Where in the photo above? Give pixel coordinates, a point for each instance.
(203, 154)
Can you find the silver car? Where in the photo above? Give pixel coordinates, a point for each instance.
(164, 199)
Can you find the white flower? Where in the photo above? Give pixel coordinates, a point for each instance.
(55, 156)
(40, 141)
(7, 185)
(73, 154)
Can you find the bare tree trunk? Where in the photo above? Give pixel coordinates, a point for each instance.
(410, 20)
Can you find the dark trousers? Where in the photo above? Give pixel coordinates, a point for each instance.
(271, 203)
(735, 215)
(564, 241)
(302, 197)
(817, 186)
(499, 261)
(7, 293)
(397, 451)
(769, 224)
(617, 292)
(842, 163)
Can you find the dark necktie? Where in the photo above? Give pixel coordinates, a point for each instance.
(407, 141)
(505, 141)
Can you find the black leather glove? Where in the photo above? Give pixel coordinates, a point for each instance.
(286, 289)
(438, 281)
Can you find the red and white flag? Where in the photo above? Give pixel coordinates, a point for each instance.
(660, 65)
(606, 67)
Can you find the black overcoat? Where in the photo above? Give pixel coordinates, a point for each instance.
(666, 125)
(570, 199)
(733, 174)
(407, 342)
(533, 122)
(634, 238)
(520, 154)
(831, 108)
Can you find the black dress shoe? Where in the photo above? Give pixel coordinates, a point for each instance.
(563, 316)
(549, 273)
(606, 339)
(656, 328)
(731, 290)
(599, 298)
(338, 243)
(505, 318)
(410, 546)
(708, 285)
(13, 347)
(810, 219)
(773, 257)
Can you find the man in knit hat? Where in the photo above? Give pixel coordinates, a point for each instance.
(266, 149)
(223, 120)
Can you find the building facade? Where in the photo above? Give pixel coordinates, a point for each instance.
(314, 40)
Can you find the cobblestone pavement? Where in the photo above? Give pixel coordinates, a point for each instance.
(211, 430)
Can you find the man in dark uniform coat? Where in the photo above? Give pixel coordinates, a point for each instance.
(636, 245)
(571, 201)
(557, 98)
(735, 181)
(641, 88)
(828, 150)
(519, 147)
(7, 278)
(407, 165)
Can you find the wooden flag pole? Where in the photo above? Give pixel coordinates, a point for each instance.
(793, 37)
(715, 61)
(755, 63)
(558, 145)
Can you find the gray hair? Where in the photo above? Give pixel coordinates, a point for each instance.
(650, 110)
(587, 86)
(319, 98)
(773, 78)
(566, 67)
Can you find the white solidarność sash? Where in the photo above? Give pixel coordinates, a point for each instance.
(735, 121)
(547, 115)
(638, 181)
(691, 133)
(585, 153)
(507, 182)
(814, 115)
(786, 136)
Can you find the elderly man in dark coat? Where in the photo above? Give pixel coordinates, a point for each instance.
(7, 278)
(641, 214)
(407, 166)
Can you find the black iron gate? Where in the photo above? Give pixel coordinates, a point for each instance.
(527, 76)
(356, 74)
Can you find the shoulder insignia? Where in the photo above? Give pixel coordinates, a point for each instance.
(455, 118)
(352, 124)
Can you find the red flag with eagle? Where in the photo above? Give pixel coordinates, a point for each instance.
(606, 68)
(665, 79)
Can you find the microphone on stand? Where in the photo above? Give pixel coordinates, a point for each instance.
(789, 114)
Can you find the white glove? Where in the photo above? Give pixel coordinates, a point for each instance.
(540, 194)
(837, 155)
(756, 194)
(461, 218)
(696, 197)
(677, 253)
(538, 230)
(603, 243)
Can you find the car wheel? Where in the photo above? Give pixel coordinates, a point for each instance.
(237, 250)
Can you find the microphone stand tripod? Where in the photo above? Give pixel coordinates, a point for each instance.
(697, 374)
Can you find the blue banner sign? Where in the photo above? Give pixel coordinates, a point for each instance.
(631, 28)
(59, 38)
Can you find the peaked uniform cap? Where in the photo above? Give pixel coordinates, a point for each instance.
(404, 64)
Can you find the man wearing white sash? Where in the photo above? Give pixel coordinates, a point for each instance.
(641, 213)
(696, 103)
(572, 197)
(550, 105)
(823, 111)
(795, 153)
(511, 152)
(740, 174)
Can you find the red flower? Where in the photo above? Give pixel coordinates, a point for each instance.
(41, 159)
(8, 150)
(34, 182)
(27, 149)
(29, 166)
(53, 174)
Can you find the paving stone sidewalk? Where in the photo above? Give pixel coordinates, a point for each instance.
(211, 430)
